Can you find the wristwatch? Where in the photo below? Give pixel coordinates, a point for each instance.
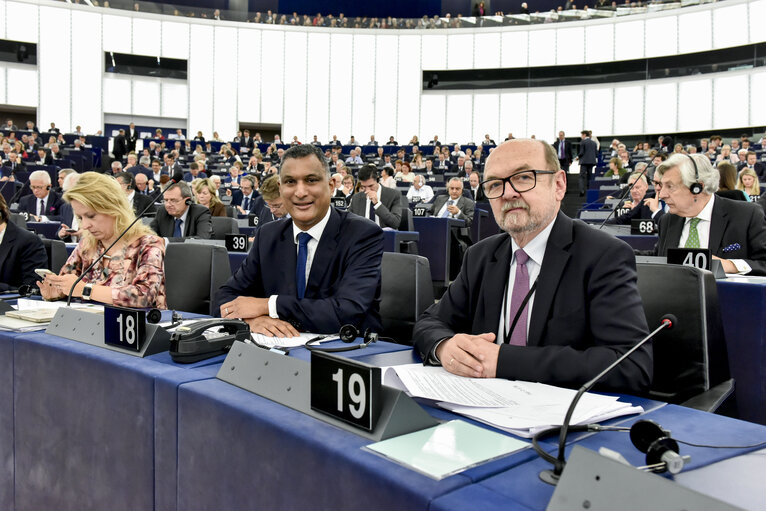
(86, 291)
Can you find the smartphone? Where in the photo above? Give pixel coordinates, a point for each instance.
(70, 231)
(42, 272)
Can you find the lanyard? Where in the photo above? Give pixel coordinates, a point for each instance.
(507, 333)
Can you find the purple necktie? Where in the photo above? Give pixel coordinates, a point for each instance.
(520, 290)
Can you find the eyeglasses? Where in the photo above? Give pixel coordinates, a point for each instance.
(520, 181)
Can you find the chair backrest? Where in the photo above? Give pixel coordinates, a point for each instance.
(193, 274)
(57, 255)
(406, 291)
(19, 220)
(223, 225)
(406, 222)
(692, 357)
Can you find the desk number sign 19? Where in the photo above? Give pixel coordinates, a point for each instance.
(125, 328)
(345, 389)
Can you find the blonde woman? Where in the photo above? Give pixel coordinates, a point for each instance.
(748, 182)
(131, 273)
(205, 193)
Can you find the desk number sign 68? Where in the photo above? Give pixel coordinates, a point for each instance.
(345, 389)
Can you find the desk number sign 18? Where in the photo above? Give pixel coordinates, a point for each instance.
(345, 389)
(125, 328)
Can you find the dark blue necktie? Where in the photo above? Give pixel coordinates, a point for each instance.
(300, 268)
(371, 212)
(177, 231)
(246, 204)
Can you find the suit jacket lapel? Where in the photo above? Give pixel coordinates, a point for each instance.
(717, 226)
(556, 257)
(494, 284)
(9, 240)
(284, 254)
(325, 252)
(675, 226)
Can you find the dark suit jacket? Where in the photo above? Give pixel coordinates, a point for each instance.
(28, 204)
(21, 252)
(759, 169)
(587, 152)
(586, 312)
(344, 283)
(567, 149)
(733, 222)
(20, 165)
(198, 223)
(641, 212)
(465, 205)
(130, 139)
(479, 195)
(120, 147)
(389, 211)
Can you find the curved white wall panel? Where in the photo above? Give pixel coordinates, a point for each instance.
(343, 81)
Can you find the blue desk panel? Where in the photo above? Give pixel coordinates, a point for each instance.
(521, 488)
(435, 243)
(743, 309)
(85, 423)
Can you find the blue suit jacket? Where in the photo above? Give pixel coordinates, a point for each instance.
(344, 283)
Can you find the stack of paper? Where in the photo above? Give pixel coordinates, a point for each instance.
(519, 407)
(31, 315)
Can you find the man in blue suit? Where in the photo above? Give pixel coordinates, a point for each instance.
(314, 272)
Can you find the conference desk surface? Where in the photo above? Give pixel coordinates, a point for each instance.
(85, 427)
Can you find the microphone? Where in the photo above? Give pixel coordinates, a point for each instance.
(667, 321)
(177, 177)
(18, 193)
(622, 197)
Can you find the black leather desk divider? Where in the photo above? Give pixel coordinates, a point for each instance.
(286, 380)
(596, 483)
(88, 328)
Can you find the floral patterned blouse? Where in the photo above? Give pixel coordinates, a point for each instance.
(136, 274)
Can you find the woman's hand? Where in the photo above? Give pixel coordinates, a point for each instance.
(63, 283)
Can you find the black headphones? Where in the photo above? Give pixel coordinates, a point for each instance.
(696, 187)
(188, 202)
(662, 451)
(347, 334)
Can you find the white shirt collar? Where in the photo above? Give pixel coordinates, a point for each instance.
(535, 249)
(707, 212)
(316, 231)
(131, 196)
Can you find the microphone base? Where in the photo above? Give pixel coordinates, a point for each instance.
(550, 477)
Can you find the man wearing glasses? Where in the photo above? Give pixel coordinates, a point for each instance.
(43, 204)
(549, 300)
(180, 218)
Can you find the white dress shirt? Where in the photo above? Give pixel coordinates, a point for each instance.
(535, 249)
(703, 231)
(316, 234)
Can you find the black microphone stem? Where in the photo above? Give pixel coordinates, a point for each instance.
(160, 192)
(622, 197)
(559, 467)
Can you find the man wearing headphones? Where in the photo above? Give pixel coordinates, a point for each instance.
(180, 218)
(43, 205)
(734, 231)
(140, 202)
(380, 204)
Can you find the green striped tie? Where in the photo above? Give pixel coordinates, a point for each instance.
(693, 241)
